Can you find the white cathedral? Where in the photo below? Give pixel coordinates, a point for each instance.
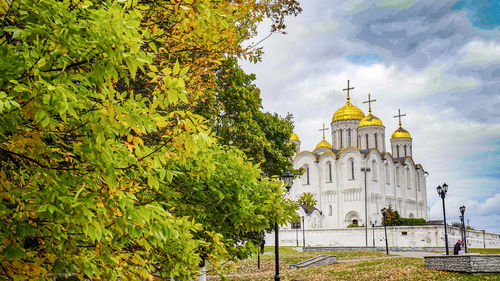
(354, 177)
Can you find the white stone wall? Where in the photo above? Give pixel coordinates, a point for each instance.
(416, 236)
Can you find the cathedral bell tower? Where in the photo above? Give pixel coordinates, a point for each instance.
(401, 140)
(371, 131)
(345, 124)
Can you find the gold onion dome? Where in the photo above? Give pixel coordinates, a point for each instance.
(323, 144)
(401, 133)
(348, 112)
(294, 137)
(370, 120)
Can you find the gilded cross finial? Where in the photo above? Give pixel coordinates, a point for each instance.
(347, 89)
(369, 102)
(399, 116)
(324, 129)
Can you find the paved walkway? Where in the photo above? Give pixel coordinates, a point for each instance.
(416, 254)
(396, 255)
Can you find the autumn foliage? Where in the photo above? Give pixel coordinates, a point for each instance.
(105, 169)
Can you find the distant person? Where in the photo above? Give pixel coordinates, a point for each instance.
(457, 247)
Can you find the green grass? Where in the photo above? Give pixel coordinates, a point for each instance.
(391, 268)
(484, 251)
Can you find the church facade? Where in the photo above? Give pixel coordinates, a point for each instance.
(353, 176)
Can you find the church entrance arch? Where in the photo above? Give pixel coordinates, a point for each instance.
(352, 218)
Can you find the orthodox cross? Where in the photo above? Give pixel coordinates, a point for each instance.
(369, 102)
(324, 129)
(347, 89)
(399, 116)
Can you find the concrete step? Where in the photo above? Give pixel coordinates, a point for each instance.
(316, 261)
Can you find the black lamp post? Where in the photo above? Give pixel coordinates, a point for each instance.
(287, 180)
(384, 210)
(373, 232)
(484, 240)
(364, 170)
(442, 193)
(462, 211)
(303, 233)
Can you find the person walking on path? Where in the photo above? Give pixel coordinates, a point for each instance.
(457, 247)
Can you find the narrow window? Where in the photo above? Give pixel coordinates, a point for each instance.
(330, 171)
(366, 141)
(352, 169)
(405, 149)
(387, 174)
(376, 143)
(307, 171)
(408, 181)
(330, 210)
(348, 137)
(341, 139)
(397, 150)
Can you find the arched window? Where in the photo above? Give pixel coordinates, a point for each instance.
(397, 150)
(351, 167)
(328, 171)
(374, 170)
(307, 173)
(330, 210)
(398, 176)
(366, 136)
(376, 142)
(348, 137)
(408, 182)
(341, 142)
(387, 174)
(405, 150)
(305, 177)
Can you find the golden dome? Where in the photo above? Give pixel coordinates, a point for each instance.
(323, 144)
(348, 112)
(401, 133)
(370, 120)
(294, 137)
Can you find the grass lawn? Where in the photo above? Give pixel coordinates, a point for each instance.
(391, 268)
(484, 251)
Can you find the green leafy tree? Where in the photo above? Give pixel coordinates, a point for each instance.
(235, 114)
(307, 200)
(94, 170)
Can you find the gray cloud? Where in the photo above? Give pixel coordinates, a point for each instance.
(435, 66)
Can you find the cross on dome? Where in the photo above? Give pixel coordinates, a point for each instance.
(324, 129)
(399, 116)
(347, 89)
(369, 102)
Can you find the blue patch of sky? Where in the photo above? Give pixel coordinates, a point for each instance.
(365, 59)
(483, 14)
(482, 164)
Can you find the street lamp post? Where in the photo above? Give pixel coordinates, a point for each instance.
(373, 232)
(442, 193)
(297, 232)
(303, 233)
(287, 180)
(366, 206)
(384, 210)
(462, 211)
(484, 240)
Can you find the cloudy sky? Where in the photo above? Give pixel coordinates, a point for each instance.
(438, 61)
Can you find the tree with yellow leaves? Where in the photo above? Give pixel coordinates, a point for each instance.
(105, 171)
